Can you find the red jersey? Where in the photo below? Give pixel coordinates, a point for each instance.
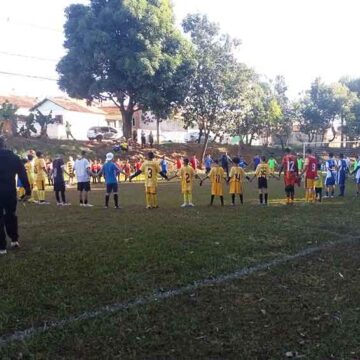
(127, 169)
(289, 163)
(137, 165)
(311, 167)
(194, 163)
(178, 164)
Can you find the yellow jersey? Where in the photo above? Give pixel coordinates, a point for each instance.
(187, 175)
(151, 170)
(237, 175)
(40, 169)
(29, 167)
(262, 170)
(216, 176)
(318, 183)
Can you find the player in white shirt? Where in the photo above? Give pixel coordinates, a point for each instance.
(83, 172)
(330, 180)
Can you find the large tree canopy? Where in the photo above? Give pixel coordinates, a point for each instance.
(118, 50)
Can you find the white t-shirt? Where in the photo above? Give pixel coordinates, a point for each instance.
(81, 167)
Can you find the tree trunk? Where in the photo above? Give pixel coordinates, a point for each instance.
(43, 132)
(201, 131)
(206, 142)
(127, 116)
(342, 131)
(158, 131)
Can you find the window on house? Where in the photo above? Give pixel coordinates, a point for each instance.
(59, 119)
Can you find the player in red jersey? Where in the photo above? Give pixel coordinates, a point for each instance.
(310, 171)
(291, 175)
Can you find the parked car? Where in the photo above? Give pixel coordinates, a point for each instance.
(101, 133)
(193, 137)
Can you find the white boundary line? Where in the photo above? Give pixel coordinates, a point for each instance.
(157, 295)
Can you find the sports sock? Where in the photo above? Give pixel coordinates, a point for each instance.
(116, 200)
(57, 196)
(148, 199)
(212, 199)
(332, 192)
(233, 199)
(190, 198)
(185, 198)
(266, 198)
(326, 193)
(63, 197)
(222, 200)
(155, 200)
(242, 199)
(107, 197)
(261, 198)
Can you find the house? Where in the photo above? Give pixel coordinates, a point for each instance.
(23, 103)
(77, 113)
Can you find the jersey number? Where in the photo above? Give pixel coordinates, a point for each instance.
(150, 173)
(218, 179)
(291, 166)
(187, 178)
(237, 177)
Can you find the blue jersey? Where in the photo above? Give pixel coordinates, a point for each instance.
(330, 166)
(342, 170)
(243, 164)
(110, 172)
(164, 166)
(208, 163)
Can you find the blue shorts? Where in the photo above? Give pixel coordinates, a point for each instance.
(358, 181)
(330, 181)
(112, 188)
(341, 178)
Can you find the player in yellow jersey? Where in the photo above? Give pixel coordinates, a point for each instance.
(262, 173)
(29, 167)
(187, 175)
(40, 176)
(151, 169)
(236, 181)
(216, 176)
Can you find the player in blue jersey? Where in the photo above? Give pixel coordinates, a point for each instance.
(342, 171)
(330, 180)
(110, 171)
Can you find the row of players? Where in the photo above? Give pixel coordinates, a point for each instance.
(335, 173)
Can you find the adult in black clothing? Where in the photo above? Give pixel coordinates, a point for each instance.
(10, 165)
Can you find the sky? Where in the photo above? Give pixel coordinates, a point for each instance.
(300, 39)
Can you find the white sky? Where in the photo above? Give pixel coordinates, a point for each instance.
(300, 39)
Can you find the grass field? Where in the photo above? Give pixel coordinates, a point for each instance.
(78, 260)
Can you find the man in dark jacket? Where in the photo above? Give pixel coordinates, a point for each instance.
(10, 166)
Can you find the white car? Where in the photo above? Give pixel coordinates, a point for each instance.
(101, 133)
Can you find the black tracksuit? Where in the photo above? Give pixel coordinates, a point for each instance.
(10, 165)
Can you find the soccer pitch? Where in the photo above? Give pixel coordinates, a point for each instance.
(94, 283)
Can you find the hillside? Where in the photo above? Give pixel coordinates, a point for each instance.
(98, 150)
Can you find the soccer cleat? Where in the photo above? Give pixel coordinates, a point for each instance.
(81, 204)
(15, 244)
(66, 204)
(117, 207)
(106, 207)
(148, 207)
(183, 205)
(88, 205)
(3, 252)
(191, 205)
(59, 204)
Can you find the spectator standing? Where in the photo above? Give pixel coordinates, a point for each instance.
(151, 139)
(10, 166)
(83, 172)
(143, 139)
(208, 163)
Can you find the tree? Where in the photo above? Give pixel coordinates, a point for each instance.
(208, 104)
(28, 126)
(115, 51)
(43, 121)
(8, 117)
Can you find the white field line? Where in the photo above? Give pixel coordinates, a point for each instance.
(158, 295)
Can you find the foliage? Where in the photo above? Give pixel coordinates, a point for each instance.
(8, 114)
(120, 50)
(28, 128)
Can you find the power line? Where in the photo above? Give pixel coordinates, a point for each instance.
(8, 20)
(28, 56)
(27, 76)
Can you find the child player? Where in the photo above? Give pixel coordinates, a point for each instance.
(291, 175)
(57, 173)
(310, 171)
(262, 172)
(151, 169)
(110, 172)
(187, 175)
(40, 176)
(330, 179)
(216, 176)
(318, 184)
(236, 180)
(29, 167)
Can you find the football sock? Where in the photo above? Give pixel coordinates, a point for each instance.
(327, 193)
(155, 200)
(261, 198)
(242, 199)
(266, 198)
(306, 196)
(212, 199)
(148, 200)
(185, 198)
(190, 198)
(332, 192)
(233, 198)
(57, 196)
(222, 200)
(63, 196)
(107, 197)
(116, 200)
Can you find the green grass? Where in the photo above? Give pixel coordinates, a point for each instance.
(74, 260)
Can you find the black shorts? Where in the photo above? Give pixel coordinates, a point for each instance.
(84, 186)
(59, 186)
(262, 183)
(112, 188)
